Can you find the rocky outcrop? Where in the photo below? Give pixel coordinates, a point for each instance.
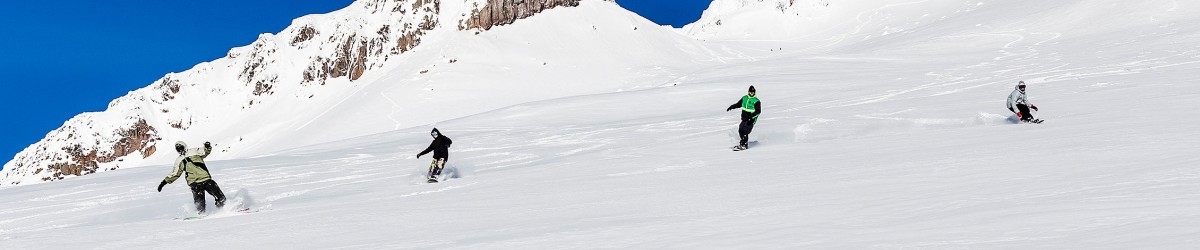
(146, 153)
(139, 138)
(307, 33)
(168, 87)
(180, 124)
(350, 60)
(504, 12)
(254, 71)
(263, 87)
(355, 52)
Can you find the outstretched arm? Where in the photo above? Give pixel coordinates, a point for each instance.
(202, 152)
(738, 104)
(427, 150)
(175, 173)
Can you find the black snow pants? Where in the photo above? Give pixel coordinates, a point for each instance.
(211, 187)
(744, 131)
(1025, 115)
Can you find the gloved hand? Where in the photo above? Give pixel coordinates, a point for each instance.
(418, 156)
(1034, 108)
(161, 184)
(207, 145)
(728, 109)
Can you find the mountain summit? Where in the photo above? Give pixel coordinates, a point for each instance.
(374, 66)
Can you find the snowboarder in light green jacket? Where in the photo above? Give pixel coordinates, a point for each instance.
(191, 161)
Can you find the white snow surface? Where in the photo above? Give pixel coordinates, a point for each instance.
(874, 141)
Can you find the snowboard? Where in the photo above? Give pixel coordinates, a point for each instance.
(202, 216)
(435, 178)
(738, 148)
(448, 172)
(1035, 120)
(196, 217)
(440, 178)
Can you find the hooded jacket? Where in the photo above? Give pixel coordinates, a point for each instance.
(1017, 97)
(192, 163)
(440, 146)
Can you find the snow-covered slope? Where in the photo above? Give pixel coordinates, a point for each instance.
(372, 67)
(845, 26)
(890, 142)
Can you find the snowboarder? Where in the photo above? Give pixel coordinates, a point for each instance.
(440, 147)
(191, 161)
(751, 108)
(1019, 103)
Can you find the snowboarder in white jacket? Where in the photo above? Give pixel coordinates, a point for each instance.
(1019, 103)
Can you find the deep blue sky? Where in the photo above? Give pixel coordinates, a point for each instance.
(62, 58)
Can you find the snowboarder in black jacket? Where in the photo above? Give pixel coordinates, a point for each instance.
(440, 147)
(751, 108)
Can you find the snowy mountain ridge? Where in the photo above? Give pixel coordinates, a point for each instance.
(824, 26)
(254, 92)
(247, 77)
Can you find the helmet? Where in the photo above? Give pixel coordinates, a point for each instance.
(751, 88)
(180, 147)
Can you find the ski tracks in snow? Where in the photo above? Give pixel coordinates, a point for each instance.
(439, 190)
(862, 24)
(395, 107)
(825, 129)
(669, 168)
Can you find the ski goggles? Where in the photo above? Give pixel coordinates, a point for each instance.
(434, 134)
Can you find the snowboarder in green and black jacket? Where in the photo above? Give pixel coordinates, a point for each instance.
(191, 161)
(751, 108)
